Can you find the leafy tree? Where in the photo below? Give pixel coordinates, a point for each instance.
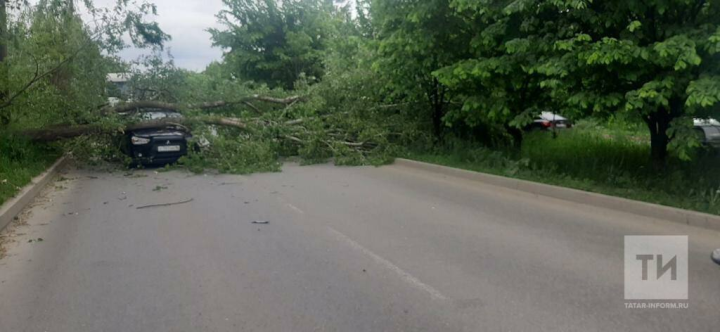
(658, 58)
(496, 85)
(414, 39)
(54, 60)
(275, 42)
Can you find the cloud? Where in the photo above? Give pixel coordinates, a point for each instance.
(186, 21)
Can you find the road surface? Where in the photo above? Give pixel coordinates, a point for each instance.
(346, 249)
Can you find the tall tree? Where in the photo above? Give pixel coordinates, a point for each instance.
(658, 58)
(275, 42)
(496, 84)
(415, 38)
(4, 115)
(49, 36)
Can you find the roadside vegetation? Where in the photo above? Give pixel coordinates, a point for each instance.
(602, 158)
(20, 161)
(361, 82)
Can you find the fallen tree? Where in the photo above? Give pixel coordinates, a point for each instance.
(138, 105)
(71, 131)
(242, 142)
(67, 132)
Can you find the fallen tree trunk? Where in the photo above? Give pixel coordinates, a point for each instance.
(59, 133)
(133, 106)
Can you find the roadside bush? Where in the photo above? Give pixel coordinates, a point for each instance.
(20, 161)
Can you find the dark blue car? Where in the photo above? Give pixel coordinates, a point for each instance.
(160, 145)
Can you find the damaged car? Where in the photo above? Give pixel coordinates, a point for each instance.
(160, 145)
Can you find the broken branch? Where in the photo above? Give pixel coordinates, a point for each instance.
(58, 133)
(133, 106)
(166, 204)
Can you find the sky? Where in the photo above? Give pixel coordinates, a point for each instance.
(186, 21)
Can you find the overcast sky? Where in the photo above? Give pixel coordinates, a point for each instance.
(186, 21)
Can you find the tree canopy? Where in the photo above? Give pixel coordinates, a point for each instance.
(275, 42)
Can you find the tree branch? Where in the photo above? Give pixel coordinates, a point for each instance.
(59, 133)
(38, 77)
(133, 106)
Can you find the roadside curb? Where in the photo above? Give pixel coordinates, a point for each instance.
(15, 205)
(644, 209)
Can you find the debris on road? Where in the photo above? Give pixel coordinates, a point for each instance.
(160, 188)
(165, 204)
(260, 222)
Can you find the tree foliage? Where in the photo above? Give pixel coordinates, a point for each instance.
(414, 39)
(657, 59)
(56, 64)
(310, 78)
(275, 42)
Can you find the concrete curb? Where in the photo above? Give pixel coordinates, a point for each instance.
(686, 217)
(15, 205)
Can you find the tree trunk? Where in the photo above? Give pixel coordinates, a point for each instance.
(59, 133)
(4, 77)
(438, 121)
(436, 97)
(658, 123)
(517, 136)
(133, 106)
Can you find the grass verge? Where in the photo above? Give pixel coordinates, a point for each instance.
(615, 164)
(20, 161)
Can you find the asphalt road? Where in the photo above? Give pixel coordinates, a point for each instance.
(346, 249)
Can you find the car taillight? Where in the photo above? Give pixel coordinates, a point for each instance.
(547, 124)
(139, 140)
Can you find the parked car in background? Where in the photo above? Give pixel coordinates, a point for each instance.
(160, 145)
(708, 131)
(549, 121)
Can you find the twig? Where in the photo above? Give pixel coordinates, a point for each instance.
(251, 106)
(166, 204)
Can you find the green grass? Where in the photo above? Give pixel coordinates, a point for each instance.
(607, 160)
(20, 161)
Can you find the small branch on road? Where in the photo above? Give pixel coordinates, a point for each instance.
(164, 205)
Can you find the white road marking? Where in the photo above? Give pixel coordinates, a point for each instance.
(407, 277)
(297, 209)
